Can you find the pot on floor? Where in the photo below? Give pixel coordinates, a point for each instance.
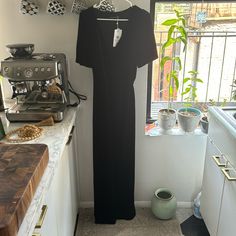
(163, 204)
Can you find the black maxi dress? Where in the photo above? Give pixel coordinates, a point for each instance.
(114, 72)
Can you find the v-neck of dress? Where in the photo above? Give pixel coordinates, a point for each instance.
(127, 14)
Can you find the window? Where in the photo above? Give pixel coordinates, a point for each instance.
(211, 29)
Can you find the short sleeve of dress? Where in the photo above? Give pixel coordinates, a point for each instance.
(146, 45)
(83, 49)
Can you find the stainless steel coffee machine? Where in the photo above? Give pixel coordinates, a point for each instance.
(39, 84)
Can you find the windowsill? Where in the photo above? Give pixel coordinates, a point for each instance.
(154, 131)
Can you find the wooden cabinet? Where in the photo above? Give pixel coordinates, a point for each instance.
(62, 197)
(218, 200)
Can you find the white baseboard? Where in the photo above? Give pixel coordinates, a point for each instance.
(139, 204)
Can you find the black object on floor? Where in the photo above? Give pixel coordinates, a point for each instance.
(194, 227)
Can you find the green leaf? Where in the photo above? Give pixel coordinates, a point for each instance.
(168, 43)
(186, 80)
(177, 13)
(176, 80)
(170, 31)
(197, 80)
(193, 72)
(170, 22)
(184, 41)
(164, 60)
(187, 90)
(188, 105)
(182, 31)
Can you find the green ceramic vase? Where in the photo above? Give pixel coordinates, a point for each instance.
(163, 204)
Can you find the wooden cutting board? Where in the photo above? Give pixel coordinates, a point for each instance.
(21, 168)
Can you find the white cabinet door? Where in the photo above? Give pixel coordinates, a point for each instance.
(212, 189)
(47, 222)
(66, 192)
(227, 223)
(63, 196)
(49, 226)
(73, 166)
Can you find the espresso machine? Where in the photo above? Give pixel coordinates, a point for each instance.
(39, 85)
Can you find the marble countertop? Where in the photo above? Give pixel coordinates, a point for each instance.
(55, 137)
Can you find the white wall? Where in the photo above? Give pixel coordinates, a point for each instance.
(175, 162)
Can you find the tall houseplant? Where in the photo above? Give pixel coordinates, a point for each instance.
(176, 34)
(189, 116)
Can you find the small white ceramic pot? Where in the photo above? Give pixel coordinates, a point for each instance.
(166, 118)
(188, 118)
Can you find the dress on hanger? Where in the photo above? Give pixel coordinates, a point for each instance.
(114, 72)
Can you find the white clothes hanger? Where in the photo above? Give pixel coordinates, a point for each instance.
(100, 4)
(111, 19)
(130, 3)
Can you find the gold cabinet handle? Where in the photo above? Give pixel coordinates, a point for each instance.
(217, 161)
(36, 234)
(42, 217)
(227, 174)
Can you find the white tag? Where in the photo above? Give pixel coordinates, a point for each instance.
(117, 36)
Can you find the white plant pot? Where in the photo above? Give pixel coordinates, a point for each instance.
(189, 123)
(166, 118)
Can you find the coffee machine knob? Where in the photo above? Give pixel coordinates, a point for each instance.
(6, 69)
(44, 94)
(28, 73)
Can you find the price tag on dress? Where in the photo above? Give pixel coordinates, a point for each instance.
(117, 36)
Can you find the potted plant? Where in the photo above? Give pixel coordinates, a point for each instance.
(204, 123)
(176, 34)
(188, 116)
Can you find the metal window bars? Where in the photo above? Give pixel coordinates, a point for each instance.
(214, 53)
